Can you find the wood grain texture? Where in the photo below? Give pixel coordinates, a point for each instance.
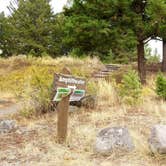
(62, 108)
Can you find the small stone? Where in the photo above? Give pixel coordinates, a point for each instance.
(7, 126)
(21, 130)
(66, 70)
(88, 102)
(157, 140)
(113, 139)
(75, 103)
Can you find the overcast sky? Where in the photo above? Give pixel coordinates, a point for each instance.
(57, 6)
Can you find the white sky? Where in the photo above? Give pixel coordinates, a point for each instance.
(57, 6)
(154, 44)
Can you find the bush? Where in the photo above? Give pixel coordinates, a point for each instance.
(161, 86)
(130, 88)
(36, 92)
(153, 59)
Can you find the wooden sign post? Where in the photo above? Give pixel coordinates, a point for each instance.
(66, 89)
(62, 108)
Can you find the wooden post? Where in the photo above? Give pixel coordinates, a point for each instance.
(62, 109)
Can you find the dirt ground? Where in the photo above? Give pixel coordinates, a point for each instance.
(35, 143)
(8, 106)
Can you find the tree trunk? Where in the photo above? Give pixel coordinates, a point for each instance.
(141, 62)
(164, 56)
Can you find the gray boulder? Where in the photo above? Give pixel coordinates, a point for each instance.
(157, 140)
(113, 139)
(88, 102)
(7, 126)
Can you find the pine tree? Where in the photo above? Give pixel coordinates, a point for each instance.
(2, 31)
(159, 8)
(33, 26)
(91, 27)
(135, 19)
(6, 42)
(162, 33)
(147, 18)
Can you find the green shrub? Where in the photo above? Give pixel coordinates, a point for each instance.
(130, 88)
(37, 91)
(75, 53)
(153, 59)
(161, 86)
(107, 58)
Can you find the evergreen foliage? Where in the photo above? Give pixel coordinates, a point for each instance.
(33, 25)
(127, 24)
(130, 88)
(93, 26)
(161, 86)
(6, 38)
(113, 30)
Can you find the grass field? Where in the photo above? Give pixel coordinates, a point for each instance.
(37, 145)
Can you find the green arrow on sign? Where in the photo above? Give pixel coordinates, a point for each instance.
(61, 92)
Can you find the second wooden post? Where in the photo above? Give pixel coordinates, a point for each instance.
(62, 109)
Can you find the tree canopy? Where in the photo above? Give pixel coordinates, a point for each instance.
(93, 26)
(113, 21)
(33, 25)
(6, 36)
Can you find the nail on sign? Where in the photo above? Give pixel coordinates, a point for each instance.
(66, 84)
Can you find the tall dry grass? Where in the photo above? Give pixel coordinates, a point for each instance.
(106, 93)
(16, 71)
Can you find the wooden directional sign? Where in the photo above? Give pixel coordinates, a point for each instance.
(66, 84)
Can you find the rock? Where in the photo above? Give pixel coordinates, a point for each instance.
(21, 131)
(7, 126)
(75, 103)
(88, 102)
(113, 139)
(157, 140)
(66, 70)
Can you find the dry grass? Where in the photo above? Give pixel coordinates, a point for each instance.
(18, 71)
(39, 145)
(43, 149)
(106, 93)
(86, 65)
